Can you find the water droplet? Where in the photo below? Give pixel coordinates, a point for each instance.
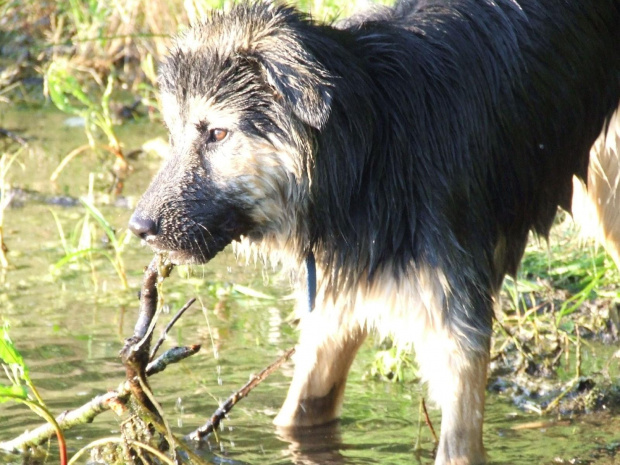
(178, 406)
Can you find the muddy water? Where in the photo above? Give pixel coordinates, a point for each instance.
(70, 326)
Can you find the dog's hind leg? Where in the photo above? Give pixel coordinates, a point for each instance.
(597, 211)
(324, 355)
(456, 380)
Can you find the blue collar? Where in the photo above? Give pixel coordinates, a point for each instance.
(311, 280)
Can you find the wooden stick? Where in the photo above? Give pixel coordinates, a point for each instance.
(11, 135)
(227, 406)
(428, 421)
(135, 353)
(164, 333)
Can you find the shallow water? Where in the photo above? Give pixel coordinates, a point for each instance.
(70, 328)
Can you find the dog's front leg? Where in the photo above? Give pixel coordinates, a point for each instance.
(324, 355)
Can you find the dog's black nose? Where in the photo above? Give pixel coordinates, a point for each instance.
(141, 226)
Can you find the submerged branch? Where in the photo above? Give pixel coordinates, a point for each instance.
(227, 406)
(114, 400)
(136, 354)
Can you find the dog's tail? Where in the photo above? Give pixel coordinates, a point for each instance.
(596, 209)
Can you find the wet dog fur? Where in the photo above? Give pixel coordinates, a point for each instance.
(410, 149)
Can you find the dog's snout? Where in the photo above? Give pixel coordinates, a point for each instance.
(142, 226)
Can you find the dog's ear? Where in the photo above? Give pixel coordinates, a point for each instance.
(296, 75)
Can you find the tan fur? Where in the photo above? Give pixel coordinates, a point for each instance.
(323, 359)
(597, 207)
(462, 387)
(405, 310)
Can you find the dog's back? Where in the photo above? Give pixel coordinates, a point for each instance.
(502, 100)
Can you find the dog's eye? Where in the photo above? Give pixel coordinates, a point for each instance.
(217, 135)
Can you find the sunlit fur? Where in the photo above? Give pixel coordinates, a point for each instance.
(597, 208)
(411, 150)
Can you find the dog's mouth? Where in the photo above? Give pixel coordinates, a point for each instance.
(184, 257)
(198, 254)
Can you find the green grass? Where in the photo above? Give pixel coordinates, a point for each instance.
(563, 273)
(21, 389)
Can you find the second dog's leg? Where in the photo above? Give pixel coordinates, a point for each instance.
(457, 381)
(322, 361)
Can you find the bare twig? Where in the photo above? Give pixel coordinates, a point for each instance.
(227, 406)
(428, 421)
(15, 137)
(164, 333)
(67, 420)
(541, 424)
(172, 355)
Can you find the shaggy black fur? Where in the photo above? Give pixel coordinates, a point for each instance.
(440, 132)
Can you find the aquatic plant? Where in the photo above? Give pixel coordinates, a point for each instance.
(21, 388)
(82, 244)
(393, 364)
(70, 96)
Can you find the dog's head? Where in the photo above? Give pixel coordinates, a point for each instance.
(242, 95)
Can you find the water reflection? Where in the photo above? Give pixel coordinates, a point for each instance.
(319, 445)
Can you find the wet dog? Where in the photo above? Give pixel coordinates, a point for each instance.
(407, 151)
